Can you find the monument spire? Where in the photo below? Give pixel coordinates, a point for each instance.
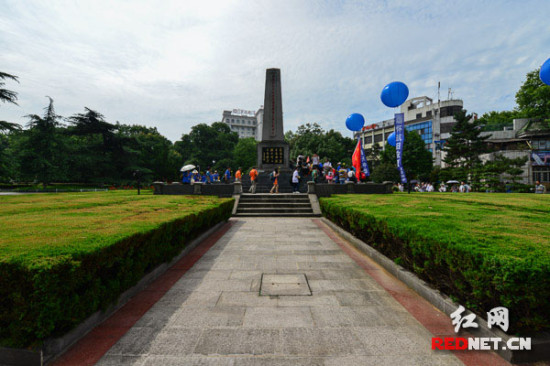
(273, 151)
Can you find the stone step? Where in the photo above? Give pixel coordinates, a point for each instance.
(275, 195)
(294, 214)
(274, 210)
(275, 198)
(274, 204)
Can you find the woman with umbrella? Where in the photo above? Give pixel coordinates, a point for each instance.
(186, 176)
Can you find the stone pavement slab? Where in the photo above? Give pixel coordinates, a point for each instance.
(214, 314)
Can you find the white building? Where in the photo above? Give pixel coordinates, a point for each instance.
(245, 123)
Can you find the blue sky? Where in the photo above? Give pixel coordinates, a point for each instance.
(173, 64)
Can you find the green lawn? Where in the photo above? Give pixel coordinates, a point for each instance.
(504, 224)
(38, 226)
(65, 256)
(483, 250)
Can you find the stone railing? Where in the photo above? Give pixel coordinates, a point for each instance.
(326, 190)
(228, 190)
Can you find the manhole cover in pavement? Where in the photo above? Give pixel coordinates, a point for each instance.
(284, 285)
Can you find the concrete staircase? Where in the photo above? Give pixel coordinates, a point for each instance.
(274, 205)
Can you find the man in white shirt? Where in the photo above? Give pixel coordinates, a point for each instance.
(295, 181)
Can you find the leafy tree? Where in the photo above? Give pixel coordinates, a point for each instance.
(417, 161)
(533, 97)
(205, 145)
(42, 148)
(496, 121)
(465, 145)
(373, 155)
(492, 171)
(246, 153)
(152, 153)
(385, 172)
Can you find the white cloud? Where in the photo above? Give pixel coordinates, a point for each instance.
(174, 64)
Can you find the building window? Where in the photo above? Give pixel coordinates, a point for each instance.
(418, 115)
(428, 113)
(378, 138)
(368, 139)
(542, 174)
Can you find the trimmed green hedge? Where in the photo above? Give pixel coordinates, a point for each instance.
(47, 298)
(477, 278)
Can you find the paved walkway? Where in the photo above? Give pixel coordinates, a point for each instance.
(214, 314)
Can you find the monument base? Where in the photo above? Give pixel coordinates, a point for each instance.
(273, 154)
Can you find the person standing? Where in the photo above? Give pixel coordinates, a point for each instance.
(186, 178)
(227, 176)
(330, 176)
(315, 161)
(253, 180)
(296, 181)
(238, 175)
(539, 188)
(314, 175)
(274, 178)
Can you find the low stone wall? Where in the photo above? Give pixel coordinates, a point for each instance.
(326, 190)
(220, 190)
(228, 190)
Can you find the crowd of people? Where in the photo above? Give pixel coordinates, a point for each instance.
(429, 187)
(325, 172)
(209, 176)
(313, 169)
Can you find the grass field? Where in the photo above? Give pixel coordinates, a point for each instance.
(484, 250)
(65, 256)
(504, 224)
(38, 226)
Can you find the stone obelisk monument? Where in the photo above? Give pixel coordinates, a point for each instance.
(273, 151)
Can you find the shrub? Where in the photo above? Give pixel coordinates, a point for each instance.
(47, 296)
(467, 267)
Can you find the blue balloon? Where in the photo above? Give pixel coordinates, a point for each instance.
(394, 94)
(544, 73)
(355, 122)
(391, 139)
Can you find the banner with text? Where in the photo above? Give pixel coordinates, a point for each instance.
(399, 124)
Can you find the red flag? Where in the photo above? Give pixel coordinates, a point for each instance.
(356, 160)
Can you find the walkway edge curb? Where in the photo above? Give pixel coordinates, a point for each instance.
(55, 348)
(540, 345)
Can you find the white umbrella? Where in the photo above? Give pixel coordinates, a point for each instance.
(187, 168)
(452, 182)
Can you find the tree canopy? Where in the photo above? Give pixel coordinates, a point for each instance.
(417, 161)
(311, 139)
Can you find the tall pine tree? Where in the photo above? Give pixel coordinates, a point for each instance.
(463, 148)
(42, 148)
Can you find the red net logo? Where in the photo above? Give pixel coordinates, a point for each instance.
(495, 317)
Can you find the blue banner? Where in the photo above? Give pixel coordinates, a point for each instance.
(399, 125)
(364, 164)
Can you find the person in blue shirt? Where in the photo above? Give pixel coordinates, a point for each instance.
(208, 176)
(215, 176)
(186, 179)
(203, 178)
(227, 175)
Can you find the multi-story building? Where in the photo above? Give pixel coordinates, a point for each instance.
(529, 138)
(245, 123)
(432, 121)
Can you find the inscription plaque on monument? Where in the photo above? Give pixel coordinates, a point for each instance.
(273, 151)
(273, 155)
